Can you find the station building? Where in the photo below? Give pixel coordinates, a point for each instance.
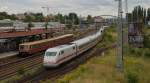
(12, 33)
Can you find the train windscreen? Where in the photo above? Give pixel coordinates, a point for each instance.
(51, 53)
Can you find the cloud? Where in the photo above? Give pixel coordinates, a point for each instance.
(82, 7)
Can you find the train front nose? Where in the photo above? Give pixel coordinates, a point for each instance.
(50, 62)
(50, 58)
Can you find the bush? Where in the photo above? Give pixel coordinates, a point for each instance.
(147, 53)
(46, 81)
(135, 51)
(132, 77)
(63, 81)
(146, 42)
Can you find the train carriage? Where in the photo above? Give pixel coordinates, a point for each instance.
(37, 46)
(57, 55)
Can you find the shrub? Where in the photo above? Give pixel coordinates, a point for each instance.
(46, 81)
(63, 81)
(147, 53)
(132, 77)
(146, 41)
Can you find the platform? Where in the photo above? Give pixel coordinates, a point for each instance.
(8, 54)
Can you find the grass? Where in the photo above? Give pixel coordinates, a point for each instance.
(137, 68)
(103, 70)
(21, 73)
(97, 70)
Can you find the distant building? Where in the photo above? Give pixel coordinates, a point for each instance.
(10, 26)
(20, 16)
(6, 23)
(98, 19)
(20, 26)
(50, 24)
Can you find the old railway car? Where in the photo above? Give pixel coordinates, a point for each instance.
(37, 46)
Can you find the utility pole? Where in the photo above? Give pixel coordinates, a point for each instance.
(73, 20)
(65, 20)
(80, 19)
(126, 6)
(47, 18)
(120, 37)
(126, 10)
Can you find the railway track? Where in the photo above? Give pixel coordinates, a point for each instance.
(15, 59)
(9, 69)
(53, 74)
(10, 59)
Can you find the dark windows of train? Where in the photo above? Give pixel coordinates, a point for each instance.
(51, 53)
(21, 47)
(73, 47)
(62, 52)
(35, 46)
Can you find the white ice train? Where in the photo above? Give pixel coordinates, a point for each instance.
(55, 56)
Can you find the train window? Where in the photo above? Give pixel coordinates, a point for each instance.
(62, 52)
(51, 53)
(21, 47)
(73, 47)
(35, 46)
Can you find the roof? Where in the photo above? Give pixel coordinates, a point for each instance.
(59, 48)
(6, 35)
(45, 40)
(3, 40)
(82, 41)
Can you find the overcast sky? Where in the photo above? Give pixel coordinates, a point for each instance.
(82, 7)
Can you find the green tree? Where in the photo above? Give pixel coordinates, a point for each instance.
(89, 19)
(138, 15)
(73, 18)
(39, 17)
(4, 15)
(144, 16)
(28, 18)
(148, 14)
(129, 15)
(13, 17)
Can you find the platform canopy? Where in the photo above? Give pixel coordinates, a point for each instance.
(6, 35)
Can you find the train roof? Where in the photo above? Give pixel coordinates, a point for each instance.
(82, 41)
(45, 40)
(59, 48)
